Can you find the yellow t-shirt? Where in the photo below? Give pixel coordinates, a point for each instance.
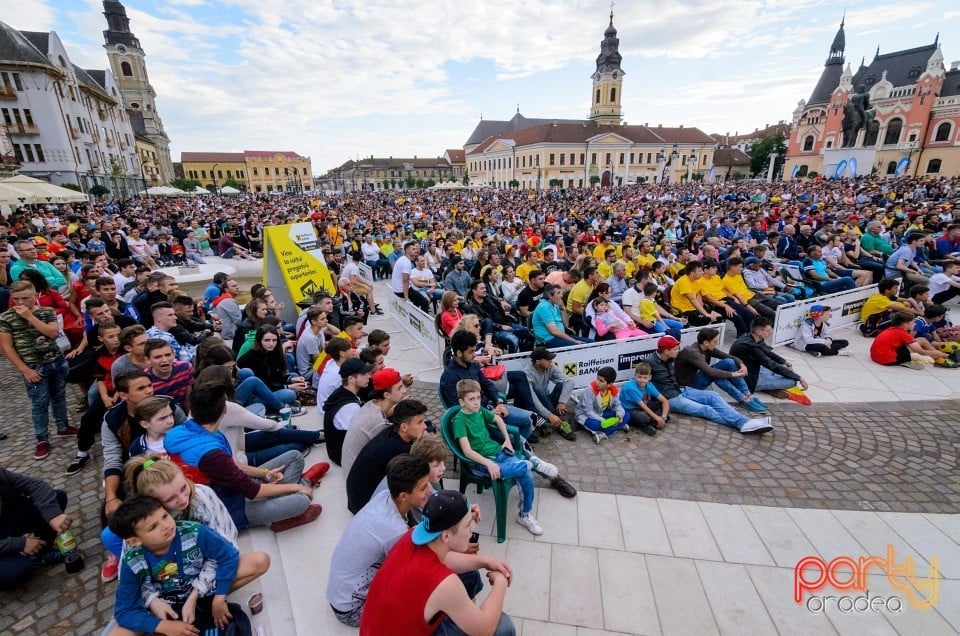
(679, 292)
(712, 286)
(648, 310)
(523, 270)
(646, 260)
(878, 303)
(604, 400)
(579, 294)
(736, 285)
(631, 267)
(600, 250)
(605, 269)
(675, 268)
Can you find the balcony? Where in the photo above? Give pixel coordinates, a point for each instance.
(24, 129)
(8, 92)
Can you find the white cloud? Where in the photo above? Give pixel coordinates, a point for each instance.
(36, 15)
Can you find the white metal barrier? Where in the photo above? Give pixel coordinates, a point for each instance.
(418, 323)
(581, 362)
(846, 307)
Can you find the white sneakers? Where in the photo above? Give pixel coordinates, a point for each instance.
(756, 425)
(843, 352)
(531, 524)
(542, 468)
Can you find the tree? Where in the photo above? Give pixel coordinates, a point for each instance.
(429, 183)
(466, 179)
(760, 154)
(71, 186)
(514, 183)
(185, 184)
(556, 183)
(594, 180)
(410, 181)
(233, 183)
(99, 190)
(419, 184)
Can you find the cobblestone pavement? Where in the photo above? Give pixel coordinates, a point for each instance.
(838, 456)
(853, 456)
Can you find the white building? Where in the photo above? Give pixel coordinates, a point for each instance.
(67, 125)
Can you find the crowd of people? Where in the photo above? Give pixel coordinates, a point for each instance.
(193, 398)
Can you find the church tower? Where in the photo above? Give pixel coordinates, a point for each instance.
(606, 93)
(127, 61)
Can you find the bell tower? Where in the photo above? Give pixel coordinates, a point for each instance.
(606, 93)
(128, 64)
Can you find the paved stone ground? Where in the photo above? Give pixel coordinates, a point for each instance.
(837, 456)
(853, 456)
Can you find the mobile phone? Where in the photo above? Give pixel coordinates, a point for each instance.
(475, 537)
(508, 451)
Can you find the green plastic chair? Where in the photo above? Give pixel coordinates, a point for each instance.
(500, 487)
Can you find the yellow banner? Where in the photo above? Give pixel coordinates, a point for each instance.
(293, 252)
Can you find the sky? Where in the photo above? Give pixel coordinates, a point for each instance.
(337, 79)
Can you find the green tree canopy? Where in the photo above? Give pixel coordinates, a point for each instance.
(760, 154)
(185, 184)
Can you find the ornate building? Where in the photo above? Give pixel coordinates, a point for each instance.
(254, 170)
(127, 59)
(534, 153)
(393, 173)
(67, 125)
(909, 106)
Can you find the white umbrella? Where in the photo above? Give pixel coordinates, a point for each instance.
(200, 190)
(229, 190)
(165, 191)
(41, 191)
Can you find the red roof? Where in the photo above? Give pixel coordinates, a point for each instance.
(580, 133)
(210, 157)
(270, 154)
(455, 155)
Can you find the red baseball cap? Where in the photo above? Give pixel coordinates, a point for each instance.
(667, 342)
(385, 378)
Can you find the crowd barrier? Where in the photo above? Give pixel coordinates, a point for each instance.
(366, 272)
(581, 362)
(418, 323)
(846, 307)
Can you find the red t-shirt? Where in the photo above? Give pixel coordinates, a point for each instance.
(885, 345)
(400, 591)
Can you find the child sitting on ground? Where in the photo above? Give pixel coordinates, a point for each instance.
(155, 415)
(606, 321)
(647, 408)
(599, 409)
(919, 299)
(166, 557)
(896, 345)
(492, 458)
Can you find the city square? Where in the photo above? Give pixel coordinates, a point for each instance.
(276, 329)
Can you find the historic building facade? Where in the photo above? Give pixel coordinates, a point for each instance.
(535, 153)
(255, 170)
(127, 60)
(909, 105)
(67, 125)
(392, 173)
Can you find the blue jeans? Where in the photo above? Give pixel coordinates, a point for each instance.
(511, 466)
(521, 418)
(228, 253)
(837, 285)
(554, 343)
(594, 425)
(262, 446)
(374, 267)
(51, 390)
(770, 381)
(668, 326)
(551, 399)
(708, 405)
(734, 387)
(252, 390)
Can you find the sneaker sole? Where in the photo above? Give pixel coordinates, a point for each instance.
(758, 430)
(39, 457)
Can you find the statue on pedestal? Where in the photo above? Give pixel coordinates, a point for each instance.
(857, 115)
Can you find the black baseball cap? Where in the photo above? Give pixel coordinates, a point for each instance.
(443, 510)
(354, 366)
(542, 353)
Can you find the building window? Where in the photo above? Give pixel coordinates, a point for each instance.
(598, 95)
(893, 131)
(609, 155)
(126, 69)
(650, 156)
(621, 158)
(573, 158)
(203, 174)
(39, 149)
(830, 144)
(892, 167)
(276, 172)
(943, 132)
(304, 171)
(552, 159)
(563, 159)
(29, 152)
(631, 158)
(804, 169)
(18, 153)
(808, 143)
(240, 174)
(583, 158)
(613, 95)
(933, 167)
(255, 172)
(17, 82)
(873, 132)
(220, 173)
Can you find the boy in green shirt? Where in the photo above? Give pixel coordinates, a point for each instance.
(492, 458)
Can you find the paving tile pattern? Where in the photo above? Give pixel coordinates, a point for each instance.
(858, 456)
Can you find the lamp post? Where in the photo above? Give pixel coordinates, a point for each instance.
(661, 162)
(213, 175)
(691, 160)
(673, 155)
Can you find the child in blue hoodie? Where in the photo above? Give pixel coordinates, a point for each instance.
(599, 409)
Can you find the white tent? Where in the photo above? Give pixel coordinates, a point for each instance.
(230, 190)
(165, 191)
(200, 190)
(36, 191)
(451, 185)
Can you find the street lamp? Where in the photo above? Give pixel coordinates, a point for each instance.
(213, 175)
(690, 162)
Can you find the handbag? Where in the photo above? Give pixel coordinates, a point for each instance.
(493, 372)
(307, 397)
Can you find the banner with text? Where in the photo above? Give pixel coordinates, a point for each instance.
(846, 307)
(366, 272)
(418, 323)
(293, 266)
(581, 362)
